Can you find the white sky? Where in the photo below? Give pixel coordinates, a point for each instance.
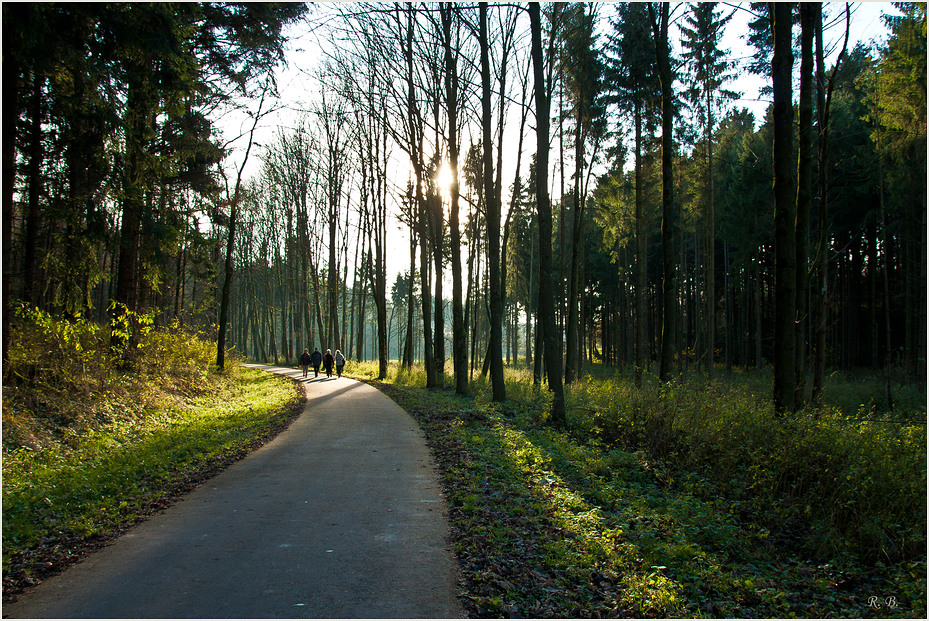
(296, 89)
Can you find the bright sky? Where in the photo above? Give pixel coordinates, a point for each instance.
(297, 89)
(866, 26)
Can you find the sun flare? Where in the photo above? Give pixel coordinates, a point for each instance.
(443, 180)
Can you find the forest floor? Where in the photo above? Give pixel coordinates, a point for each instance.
(545, 523)
(549, 525)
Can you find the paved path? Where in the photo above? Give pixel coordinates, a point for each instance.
(339, 516)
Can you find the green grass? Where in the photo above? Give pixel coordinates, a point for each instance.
(684, 500)
(102, 480)
(88, 454)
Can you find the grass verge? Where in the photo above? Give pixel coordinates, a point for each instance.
(135, 442)
(63, 501)
(550, 523)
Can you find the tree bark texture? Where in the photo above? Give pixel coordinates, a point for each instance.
(552, 348)
(492, 204)
(669, 283)
(785, 277)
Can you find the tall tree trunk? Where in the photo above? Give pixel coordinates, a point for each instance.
(416, 160)
(227, 285)
(332, 317)
(532, 274)
(821, 272)
(425, 290)
(459, 330)
(785, 277)
(757, 281)
(137, 119)
(710, 247)
(380, 265)
(35, 181)
(886, 278)
(660, 24)
(343, 327)
(572, 326)
(436, 217)
(804, 193)
(230, 242)
(492, 205)
(546, 293)
(641, 256)
(11, 77)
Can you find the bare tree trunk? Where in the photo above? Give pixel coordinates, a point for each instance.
(230, 241)
(332, 317)
(820, 288)
(416, 159)
(32, 205)
(437, 220)
(641, 257)
(574, 268)
(804, 195)
(660, 26)
(11, 75)
(711, 250)
(785, 285)
(459, 330)
(425, 291)
(492, 204)
(546, 297)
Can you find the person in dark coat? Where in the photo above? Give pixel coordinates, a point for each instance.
(317, 359)
(327, 362)
(305, 361)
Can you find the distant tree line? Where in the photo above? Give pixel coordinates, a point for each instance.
(649, 224)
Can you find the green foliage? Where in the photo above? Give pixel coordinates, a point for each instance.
(90, 447)
(62, 375)
(853, 487)
(676, 500)
(899, 88)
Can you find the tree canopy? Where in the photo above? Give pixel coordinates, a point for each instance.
(617, 121)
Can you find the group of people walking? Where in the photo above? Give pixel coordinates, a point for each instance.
(327, 361)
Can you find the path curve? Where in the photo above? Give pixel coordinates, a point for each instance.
(340, 516)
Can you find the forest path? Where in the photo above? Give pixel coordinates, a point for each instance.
(341, 515)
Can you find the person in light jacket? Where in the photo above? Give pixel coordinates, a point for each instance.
(339, 362)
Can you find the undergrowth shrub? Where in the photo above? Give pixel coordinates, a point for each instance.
(869, 395)
(63, 376)
(848, 486)
(177, 355)
(48, 352)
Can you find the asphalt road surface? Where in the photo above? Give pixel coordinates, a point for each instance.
(340, 516)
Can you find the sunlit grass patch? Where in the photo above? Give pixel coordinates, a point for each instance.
(101, 481)
(575, 523)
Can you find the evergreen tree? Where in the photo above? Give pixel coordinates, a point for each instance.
(709, 71)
